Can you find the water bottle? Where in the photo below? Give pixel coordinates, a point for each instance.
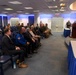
(14, 65)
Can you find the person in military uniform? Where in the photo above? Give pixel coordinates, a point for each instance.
(22, 42)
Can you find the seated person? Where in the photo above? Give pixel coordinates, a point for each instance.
(33, 33)
(9, 48)
(68, 24)
(47, 29)
(28, 37)
(22, 42)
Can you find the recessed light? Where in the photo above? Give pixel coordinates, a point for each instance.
(8, 9)
(62, 4)
(15, 2)
(28, 7)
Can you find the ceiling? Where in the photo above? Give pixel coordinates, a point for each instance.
(39, 6)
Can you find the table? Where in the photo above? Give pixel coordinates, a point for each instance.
(67, 32)
(72, 58)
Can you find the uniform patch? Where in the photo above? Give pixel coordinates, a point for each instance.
(18, 38)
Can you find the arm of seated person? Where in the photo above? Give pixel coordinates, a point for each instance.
(28, 43)
(33, 40)
(37, 36)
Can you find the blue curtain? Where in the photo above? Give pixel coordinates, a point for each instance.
(5, 20)
(0, 21)
(31, 20)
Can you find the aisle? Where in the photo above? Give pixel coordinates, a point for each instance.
(50, 60)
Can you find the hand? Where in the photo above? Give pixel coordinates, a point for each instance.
(33, 40)
(28, 43)
(17, 48)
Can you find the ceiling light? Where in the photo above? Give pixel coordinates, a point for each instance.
(73, 6)
(54, 0)
(15, 2)
(52, 6)
(28, 8)
(26, 13)
(62, 4)
(36, 11)
(55, 10)
(8, 9)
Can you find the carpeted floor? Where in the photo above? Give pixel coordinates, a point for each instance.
(51, 59)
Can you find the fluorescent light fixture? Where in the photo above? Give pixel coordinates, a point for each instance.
(52, 6)
(8, 9)
(54, 0)
(36, 11)
(15, 2)
(28, 7)
(55, 10)
(26, 13)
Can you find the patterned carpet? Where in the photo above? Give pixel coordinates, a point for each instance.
(51, 59)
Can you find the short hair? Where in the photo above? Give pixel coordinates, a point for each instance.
(6, 30)
(19, 28)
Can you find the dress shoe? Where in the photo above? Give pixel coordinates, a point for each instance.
(21, 65)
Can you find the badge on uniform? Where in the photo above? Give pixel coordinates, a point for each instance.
(18, 38)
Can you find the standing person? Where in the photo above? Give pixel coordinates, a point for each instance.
(68, 24)
(9, 48)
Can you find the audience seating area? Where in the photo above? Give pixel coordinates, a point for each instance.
(14, 29)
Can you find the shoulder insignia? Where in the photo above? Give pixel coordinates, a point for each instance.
(18, 38)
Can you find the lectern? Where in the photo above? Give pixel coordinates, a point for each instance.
(74, 30)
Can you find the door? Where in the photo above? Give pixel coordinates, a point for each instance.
(57, 24)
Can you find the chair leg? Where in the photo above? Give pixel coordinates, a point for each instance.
(2, 72)
(13, 63)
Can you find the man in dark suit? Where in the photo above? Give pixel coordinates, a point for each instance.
(9, 48)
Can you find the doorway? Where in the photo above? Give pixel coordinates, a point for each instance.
(57, 24)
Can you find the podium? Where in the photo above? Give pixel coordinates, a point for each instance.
(66, 32)
(74, 30)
